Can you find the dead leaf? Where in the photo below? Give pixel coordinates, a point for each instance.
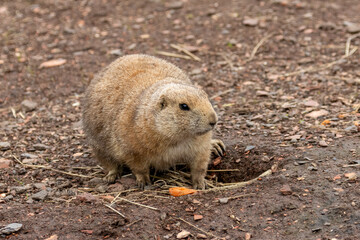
(52, 63)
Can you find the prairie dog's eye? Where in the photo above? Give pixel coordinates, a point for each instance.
(184, 106)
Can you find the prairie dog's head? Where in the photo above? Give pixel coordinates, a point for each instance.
(183, 111)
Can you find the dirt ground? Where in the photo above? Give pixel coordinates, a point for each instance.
(283, 76)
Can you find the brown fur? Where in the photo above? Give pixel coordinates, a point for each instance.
(132, 116)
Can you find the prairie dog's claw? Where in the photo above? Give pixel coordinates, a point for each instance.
(218, 147)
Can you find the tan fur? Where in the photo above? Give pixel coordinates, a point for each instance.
(132, 116)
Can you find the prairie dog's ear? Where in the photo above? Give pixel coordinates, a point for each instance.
(163, 102)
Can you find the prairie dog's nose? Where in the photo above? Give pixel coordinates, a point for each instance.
(212, 119)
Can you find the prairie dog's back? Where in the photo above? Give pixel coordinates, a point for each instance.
(134, 73)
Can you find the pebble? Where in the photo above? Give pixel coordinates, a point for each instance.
(132, 46)
(28, 105)
(316, 114)
(3, 187)
(249, 123)
(163, 216)
(249, 148)
(201, 236)
(40, 186)
(285, 190)
(116, 52)
(33, 161)
(311, 103)
(94, 182)
(312, 168)
(223, 200)
(198, 217)
(352, 27)
(262, 93)
(322, 143)
(351, 176)
(183, 234)
(40, 146)
(175, 5)
(28, 155)
(352, 128)
(4, 146)
(40, 195)
(86, 197)
(251, 22)
(196, 71)
(5, 163)
(11, 228)
(318, 229)
(21, 189)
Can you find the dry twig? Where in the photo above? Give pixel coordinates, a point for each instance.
(321, 67)
(169, 54)
(221, 93)
(138, 204)
(109, 206)
(182, 49)
(256, 48)
(348, 43)
(51, 169)
(199, 229)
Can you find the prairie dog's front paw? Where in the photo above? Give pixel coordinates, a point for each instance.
(111, 176)
(218, 147)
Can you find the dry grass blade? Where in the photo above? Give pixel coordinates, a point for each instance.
(199, 229)
(169, 54)
(239, 184)
(321, 67)
(51, 169)
(348, 43)
(224, 170)
(256, 48)
(182, 49)
(116, 211)
(221, 93)
(138, 204)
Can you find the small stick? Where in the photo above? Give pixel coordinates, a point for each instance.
(351, 165)
(130, 224)
(221, 93)
(138, 204)
(224, 170)
(256, 48)
(322, 67)
(13, 112)
(50, 168)
(116, 211)
(348, 43)
(239, 184)
(227, 60)
(242, 195)
(168, 54)
(201, 230)
(182, 49)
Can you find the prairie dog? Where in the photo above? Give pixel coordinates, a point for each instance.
(144, 112)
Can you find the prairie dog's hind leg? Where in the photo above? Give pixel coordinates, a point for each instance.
(113, 167)
(218, 147)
